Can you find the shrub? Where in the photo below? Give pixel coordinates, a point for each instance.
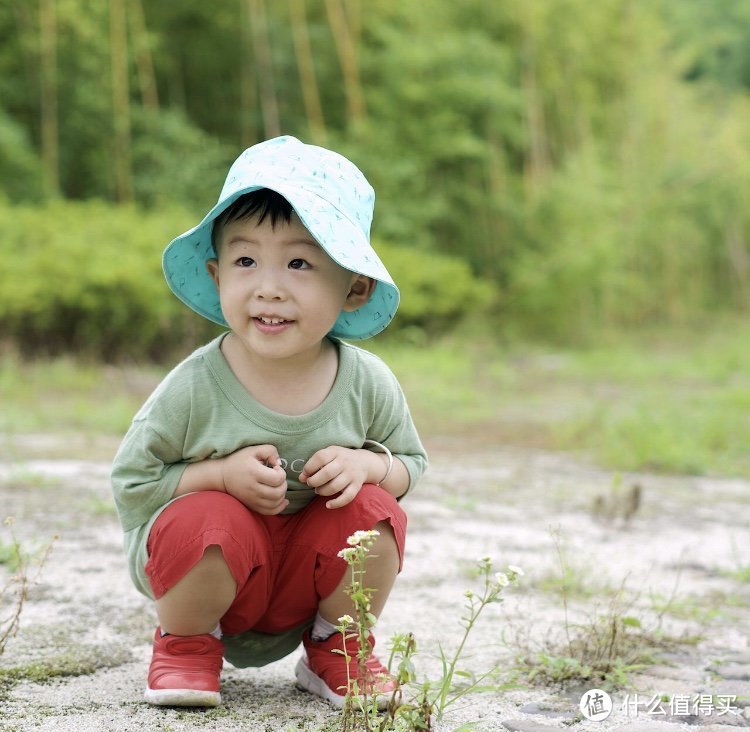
(86, 277)
(437, 290)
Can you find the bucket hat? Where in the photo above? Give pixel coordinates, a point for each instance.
(334, 202)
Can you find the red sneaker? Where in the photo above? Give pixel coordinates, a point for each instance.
(323, 672)
(185, 671)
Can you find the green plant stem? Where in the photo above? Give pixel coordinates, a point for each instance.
(475, 609)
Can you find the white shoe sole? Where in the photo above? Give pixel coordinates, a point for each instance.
(182, 697)
(308, 680)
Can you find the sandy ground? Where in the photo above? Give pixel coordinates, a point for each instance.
(679, 565)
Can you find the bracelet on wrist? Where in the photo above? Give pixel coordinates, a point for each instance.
(387, 453)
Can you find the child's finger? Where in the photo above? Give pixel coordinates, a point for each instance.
(324, 475)
(272, 509)
(277, 477)
(344, 498)
(268, 455)
(318, 461)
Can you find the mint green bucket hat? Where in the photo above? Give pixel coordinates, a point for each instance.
(334, 202)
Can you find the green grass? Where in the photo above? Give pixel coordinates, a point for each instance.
(79, 660)
(672, 403)
(665, 401)
(64, 395)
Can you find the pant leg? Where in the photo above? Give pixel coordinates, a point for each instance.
(283, 565)
(188, 526)
(305, 549)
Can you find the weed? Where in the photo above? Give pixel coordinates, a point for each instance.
(80, 660)
(10, 556)
(99, 506)
(701, 609)
(741, 575)
(22, 478)
(16, 591)
(412, 706)
(604, 649)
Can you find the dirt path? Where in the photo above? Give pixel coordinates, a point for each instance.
(680, 566)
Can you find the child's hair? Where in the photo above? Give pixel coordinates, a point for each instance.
(263, 203)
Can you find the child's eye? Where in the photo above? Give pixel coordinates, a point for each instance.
(245, 262)
(298, 264)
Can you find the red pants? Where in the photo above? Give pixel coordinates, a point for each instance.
(283, 565)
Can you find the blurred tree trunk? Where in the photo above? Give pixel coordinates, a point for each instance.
(48, 97)
(262, 49)
(248, 90)
(120, 101)
(354, 16)
(310, 94)
(739, 259)
(143, 59)
(537, 158)
(497, 183)
(343, 39)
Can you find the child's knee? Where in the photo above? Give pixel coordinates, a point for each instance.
(386, 535)
(204, 526)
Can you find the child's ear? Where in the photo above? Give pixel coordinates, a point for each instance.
(212, 265)
(359, 293)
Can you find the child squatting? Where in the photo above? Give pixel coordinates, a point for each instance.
(247, 468)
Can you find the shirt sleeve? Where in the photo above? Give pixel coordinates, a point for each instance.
(393, 426)
(150, 461)
(145, 474)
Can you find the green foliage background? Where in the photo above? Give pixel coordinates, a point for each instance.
(553, 167)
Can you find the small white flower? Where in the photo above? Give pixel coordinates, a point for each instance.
(359, 536)
(346, 620)
(347, 554)
(502, 579)
(516, 570)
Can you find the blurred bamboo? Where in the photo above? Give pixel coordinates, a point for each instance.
(354, 16)
(310, 93)
(262, 49)
(144, 61)
(120, 101)
(343, 40)
(537, 158)
(48, 106)
(247, 80)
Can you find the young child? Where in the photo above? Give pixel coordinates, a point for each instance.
(245, 471)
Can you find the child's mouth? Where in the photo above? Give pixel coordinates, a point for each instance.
(271, 325)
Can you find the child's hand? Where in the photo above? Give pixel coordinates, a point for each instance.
(335, 470)
(254, 476)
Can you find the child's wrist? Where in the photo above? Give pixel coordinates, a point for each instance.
(222, 482)
(380, 448)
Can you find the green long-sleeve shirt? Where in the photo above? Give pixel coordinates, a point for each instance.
(201, 411)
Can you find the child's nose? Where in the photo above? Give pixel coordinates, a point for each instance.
(270, 284)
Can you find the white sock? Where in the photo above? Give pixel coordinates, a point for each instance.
(216, 632)
(322, 629)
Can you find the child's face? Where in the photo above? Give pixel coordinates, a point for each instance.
(280, 292)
